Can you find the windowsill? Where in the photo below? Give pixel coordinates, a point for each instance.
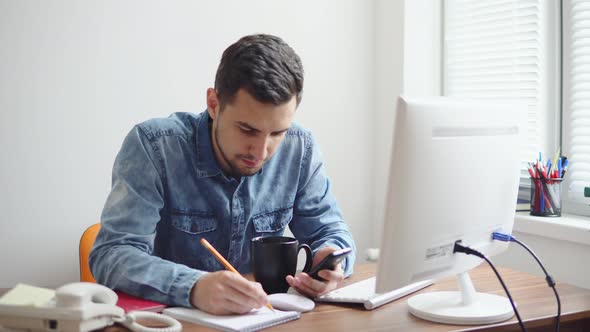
(567, 227)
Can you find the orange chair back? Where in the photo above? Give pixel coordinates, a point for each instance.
(86, 242)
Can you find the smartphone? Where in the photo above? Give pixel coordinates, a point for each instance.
(329, 263)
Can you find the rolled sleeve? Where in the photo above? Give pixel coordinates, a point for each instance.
(121, 257)
(318, 219)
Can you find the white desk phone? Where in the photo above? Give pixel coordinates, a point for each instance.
(78, 307)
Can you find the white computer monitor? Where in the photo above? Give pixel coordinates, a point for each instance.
(454, 176)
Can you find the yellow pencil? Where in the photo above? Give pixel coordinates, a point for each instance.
(223, 261)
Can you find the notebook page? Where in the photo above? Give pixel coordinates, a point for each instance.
(254, 320)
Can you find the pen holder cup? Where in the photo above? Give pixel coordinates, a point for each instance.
(546, 197)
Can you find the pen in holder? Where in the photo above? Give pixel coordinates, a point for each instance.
(546, 197)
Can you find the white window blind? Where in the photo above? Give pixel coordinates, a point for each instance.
(576, 74)
(498, 49)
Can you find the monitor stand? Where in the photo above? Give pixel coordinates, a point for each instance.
(464, 307)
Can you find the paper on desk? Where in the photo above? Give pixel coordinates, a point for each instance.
(27, 295)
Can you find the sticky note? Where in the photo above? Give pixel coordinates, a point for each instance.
(27, 295)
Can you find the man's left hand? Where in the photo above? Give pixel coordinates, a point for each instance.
(306, 285)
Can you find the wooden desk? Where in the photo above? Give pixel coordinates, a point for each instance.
(535, 300)
(536, 304)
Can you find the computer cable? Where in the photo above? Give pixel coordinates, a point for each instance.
(469, 251)
(550, 281)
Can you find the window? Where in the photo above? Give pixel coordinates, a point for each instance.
(511, 49)
(576, 101)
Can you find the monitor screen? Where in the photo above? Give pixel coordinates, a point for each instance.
(454, 176)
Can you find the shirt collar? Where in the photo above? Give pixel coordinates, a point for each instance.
(206, 163)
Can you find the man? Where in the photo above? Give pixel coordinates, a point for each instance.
(239, 170)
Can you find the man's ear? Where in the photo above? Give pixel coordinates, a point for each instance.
(212, 103)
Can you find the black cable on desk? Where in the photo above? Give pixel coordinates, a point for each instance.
(548, 278)
(470, 251)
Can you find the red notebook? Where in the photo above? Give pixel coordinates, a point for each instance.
(130, 303)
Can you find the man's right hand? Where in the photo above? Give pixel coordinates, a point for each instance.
(226, 292)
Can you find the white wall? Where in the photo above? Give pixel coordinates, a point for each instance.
(562, 244)
(422, 48)
(75, 76)
(389, 63)
(565, 261)
(407, 60)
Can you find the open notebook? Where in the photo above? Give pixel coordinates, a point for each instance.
(253, 321)
(363, 292)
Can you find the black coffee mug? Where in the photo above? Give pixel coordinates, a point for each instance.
(274, 258)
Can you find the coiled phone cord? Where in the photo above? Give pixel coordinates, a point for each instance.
(130, 322)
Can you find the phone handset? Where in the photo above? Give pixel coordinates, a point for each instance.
(91, 300)
(87, 300)
(79, 307)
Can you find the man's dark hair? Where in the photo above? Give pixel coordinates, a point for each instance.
(265, 66)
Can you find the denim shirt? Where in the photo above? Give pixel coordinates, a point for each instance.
(168, 192)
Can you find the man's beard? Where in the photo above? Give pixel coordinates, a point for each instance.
(234, 170)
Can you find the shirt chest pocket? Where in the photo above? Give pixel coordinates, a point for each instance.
(193, 223)
(271, 222)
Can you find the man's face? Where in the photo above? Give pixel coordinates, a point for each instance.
(247, 132)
